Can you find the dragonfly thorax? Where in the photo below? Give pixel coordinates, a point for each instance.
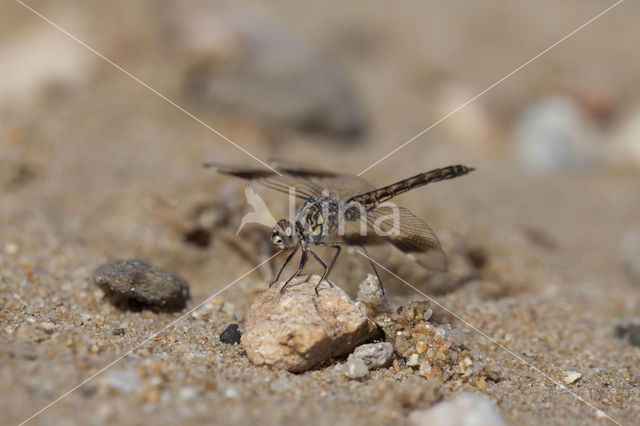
(284, 235)
(317, 219)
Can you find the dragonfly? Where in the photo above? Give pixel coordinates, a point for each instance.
(337, 210)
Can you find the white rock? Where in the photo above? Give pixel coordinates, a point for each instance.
(571, 376)
(413, 360)
(355, 369)
(374, 355)
(465, 410)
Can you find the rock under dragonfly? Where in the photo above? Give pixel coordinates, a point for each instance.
(297, 329)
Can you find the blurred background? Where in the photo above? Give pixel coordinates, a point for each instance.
(95, 166)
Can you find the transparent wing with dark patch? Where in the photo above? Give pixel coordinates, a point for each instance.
(304, 187)
(405, 231)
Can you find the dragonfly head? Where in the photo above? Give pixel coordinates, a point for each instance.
(284, 235)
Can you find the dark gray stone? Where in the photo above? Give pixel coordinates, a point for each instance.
(135, 283)
(231, 335)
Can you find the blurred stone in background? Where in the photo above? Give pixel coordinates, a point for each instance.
(246, 62)
(40, 61)
(553, 134)
(470, 127)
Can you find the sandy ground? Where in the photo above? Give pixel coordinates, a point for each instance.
(95, 168)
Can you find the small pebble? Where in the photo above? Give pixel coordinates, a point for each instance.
(48, 327)
(413, 360)
(374, 355)
(414, 311)
(464, 364)
(427, 314)
(132, 282)
(355, 369)
(119, 331)
(425, 368)
(571, 376)
(231, 335)
(371, 297)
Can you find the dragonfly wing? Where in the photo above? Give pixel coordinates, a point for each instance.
(408, 233)
(342, 185)
(304, 188)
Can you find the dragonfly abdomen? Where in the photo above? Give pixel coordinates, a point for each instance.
(371, 199)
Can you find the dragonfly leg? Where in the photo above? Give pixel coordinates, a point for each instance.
(286, 262)
(324, 266)
(303, 261)
(333, 261)
(373, 266)
(336, 245)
